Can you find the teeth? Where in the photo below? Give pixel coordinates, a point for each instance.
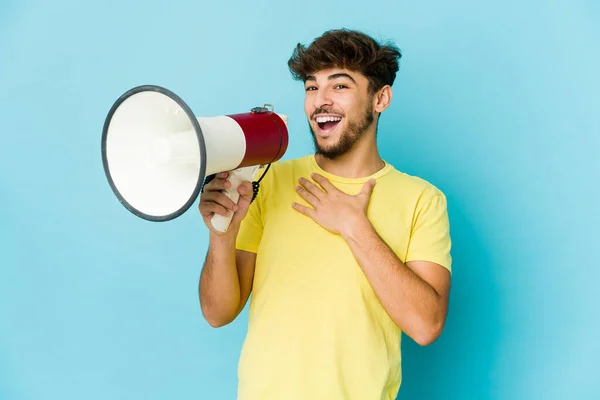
(320, 120)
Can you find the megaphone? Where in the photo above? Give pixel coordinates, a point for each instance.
(157, 154)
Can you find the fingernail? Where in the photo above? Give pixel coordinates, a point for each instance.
(242, 189)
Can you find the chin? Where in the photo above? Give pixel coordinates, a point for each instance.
(333, 151)
(326, 143)
(330, 144)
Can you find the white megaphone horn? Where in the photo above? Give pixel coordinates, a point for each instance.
(157, 155)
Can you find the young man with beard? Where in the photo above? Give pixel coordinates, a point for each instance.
(341, 251)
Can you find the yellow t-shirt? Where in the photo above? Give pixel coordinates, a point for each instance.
(316, 329)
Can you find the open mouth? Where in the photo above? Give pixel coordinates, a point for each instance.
(327, 123)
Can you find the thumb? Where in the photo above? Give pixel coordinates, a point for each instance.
(367, 188)
(243, 203)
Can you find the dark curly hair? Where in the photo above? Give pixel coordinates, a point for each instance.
(348, 49)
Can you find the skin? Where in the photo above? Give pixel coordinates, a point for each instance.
(414, 294)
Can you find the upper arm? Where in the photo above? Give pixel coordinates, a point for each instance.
(248, 241)
(428, 254)
(245, 262)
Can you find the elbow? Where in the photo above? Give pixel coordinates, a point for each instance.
(215, 321)
(213, 318)
(426, 338)
(430, 331)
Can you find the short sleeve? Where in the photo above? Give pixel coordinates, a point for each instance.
(430, 235)
(251, 227)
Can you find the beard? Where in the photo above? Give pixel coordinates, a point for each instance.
(348, 137)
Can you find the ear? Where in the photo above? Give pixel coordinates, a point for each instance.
(382, 99)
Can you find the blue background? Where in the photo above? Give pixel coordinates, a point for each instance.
(497, 104)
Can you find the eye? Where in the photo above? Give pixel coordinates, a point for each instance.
(341, 86)
(310, 88)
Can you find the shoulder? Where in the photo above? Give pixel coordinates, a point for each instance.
(414, 187)
(291, 165)
(285, 169)
(280, 173)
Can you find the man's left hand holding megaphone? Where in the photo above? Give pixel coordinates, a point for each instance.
(214, 201)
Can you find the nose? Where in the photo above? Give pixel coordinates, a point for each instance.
(322, 99)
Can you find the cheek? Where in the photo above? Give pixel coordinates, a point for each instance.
(347, 104)
(308, 109)
(357, 107)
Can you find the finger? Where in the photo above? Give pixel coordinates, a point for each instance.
(243, 204)
(367, 188)
(308, 196)
(309, 212)
(242, 210)
(217, 184)
(312, 188)
(208, 209)
(321, 180)
(245, 190)
(219, 198)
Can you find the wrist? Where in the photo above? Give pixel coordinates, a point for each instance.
(356, 228)
(226, 239)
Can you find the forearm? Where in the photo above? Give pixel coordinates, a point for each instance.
(412, 303)
(219, 285)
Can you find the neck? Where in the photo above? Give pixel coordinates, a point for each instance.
(361, 161)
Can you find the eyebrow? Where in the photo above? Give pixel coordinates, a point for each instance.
(331, 77)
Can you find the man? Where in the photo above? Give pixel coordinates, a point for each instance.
(341, 251)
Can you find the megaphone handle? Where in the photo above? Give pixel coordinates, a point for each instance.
(236, 177)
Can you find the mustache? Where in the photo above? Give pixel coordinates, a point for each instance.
(319, 111)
